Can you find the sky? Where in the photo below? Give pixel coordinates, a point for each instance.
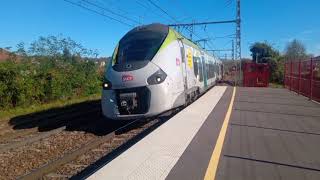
(275, 21)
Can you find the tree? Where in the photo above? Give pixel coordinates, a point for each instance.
(58, 46)
(295, 51)
(21, 50)
(262, 51)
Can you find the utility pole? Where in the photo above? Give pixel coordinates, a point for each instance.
(238, 37)
(232, 52)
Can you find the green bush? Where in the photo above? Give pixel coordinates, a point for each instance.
(39, 80)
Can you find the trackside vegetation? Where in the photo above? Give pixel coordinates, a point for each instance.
(263, 52)
(54, 69)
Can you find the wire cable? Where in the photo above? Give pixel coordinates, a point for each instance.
(148, 9)
(97, 12)
(110, 11)
(162, 10)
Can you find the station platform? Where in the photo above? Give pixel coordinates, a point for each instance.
(229, 133)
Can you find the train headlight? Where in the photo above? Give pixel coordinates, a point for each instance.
(106, 84)
(157, 78)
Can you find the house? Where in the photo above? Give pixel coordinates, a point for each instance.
(4, 54)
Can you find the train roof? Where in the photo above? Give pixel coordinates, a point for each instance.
(163, 30)
(160, 29)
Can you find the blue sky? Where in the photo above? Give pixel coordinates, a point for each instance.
(275, 21)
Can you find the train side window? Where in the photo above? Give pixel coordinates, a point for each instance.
(195, 65)
(216, 72)
(200, 70)
(212, 70)
(208, 70)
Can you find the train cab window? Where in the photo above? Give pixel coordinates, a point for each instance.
(140, 44)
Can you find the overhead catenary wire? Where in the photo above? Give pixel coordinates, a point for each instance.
(86, 4)
(173, 18)
(148, 9)
(162, 10)
(114, 6)
(110, 11)
(229, 3)
(97, 12)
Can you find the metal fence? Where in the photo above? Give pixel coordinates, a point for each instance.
(303, 77)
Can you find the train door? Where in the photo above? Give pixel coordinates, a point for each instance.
(183, 65)
(204, 72)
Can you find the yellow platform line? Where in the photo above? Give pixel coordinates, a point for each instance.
(214, 160)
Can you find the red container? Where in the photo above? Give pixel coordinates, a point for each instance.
(256, 74)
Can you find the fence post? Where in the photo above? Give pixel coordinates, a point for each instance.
(299, 77)
(290, 84)
(311, 77)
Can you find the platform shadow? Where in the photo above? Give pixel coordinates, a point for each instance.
(85, 116)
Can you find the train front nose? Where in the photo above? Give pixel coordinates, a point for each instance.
(131, 93)
(134, 94)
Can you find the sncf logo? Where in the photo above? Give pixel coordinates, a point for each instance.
(127, 78)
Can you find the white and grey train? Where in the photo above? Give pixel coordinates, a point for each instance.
(155, 69)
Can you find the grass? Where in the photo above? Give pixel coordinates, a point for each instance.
(275, 85)
(8, 114)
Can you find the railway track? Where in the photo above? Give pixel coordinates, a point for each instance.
(68, 143)
(79, 159)
(28, 136)
(22, 127)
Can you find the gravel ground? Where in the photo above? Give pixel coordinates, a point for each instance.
(78, 165)
(23, 159)
(5, 129)
(18, 138)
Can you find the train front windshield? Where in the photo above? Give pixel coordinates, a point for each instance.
(139, 46)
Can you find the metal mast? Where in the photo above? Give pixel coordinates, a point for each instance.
(238, 38)
(238, 32)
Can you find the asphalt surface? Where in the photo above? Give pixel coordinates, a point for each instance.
(272, 134)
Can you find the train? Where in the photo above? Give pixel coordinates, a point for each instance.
(153, 70)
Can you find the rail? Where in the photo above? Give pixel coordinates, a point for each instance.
(120, 133)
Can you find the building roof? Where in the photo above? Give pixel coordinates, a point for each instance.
(4, 54)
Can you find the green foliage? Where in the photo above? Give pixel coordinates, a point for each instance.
(57, 46)
(42, 81)
(54, 68)
(277, 69)
(262, 52)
